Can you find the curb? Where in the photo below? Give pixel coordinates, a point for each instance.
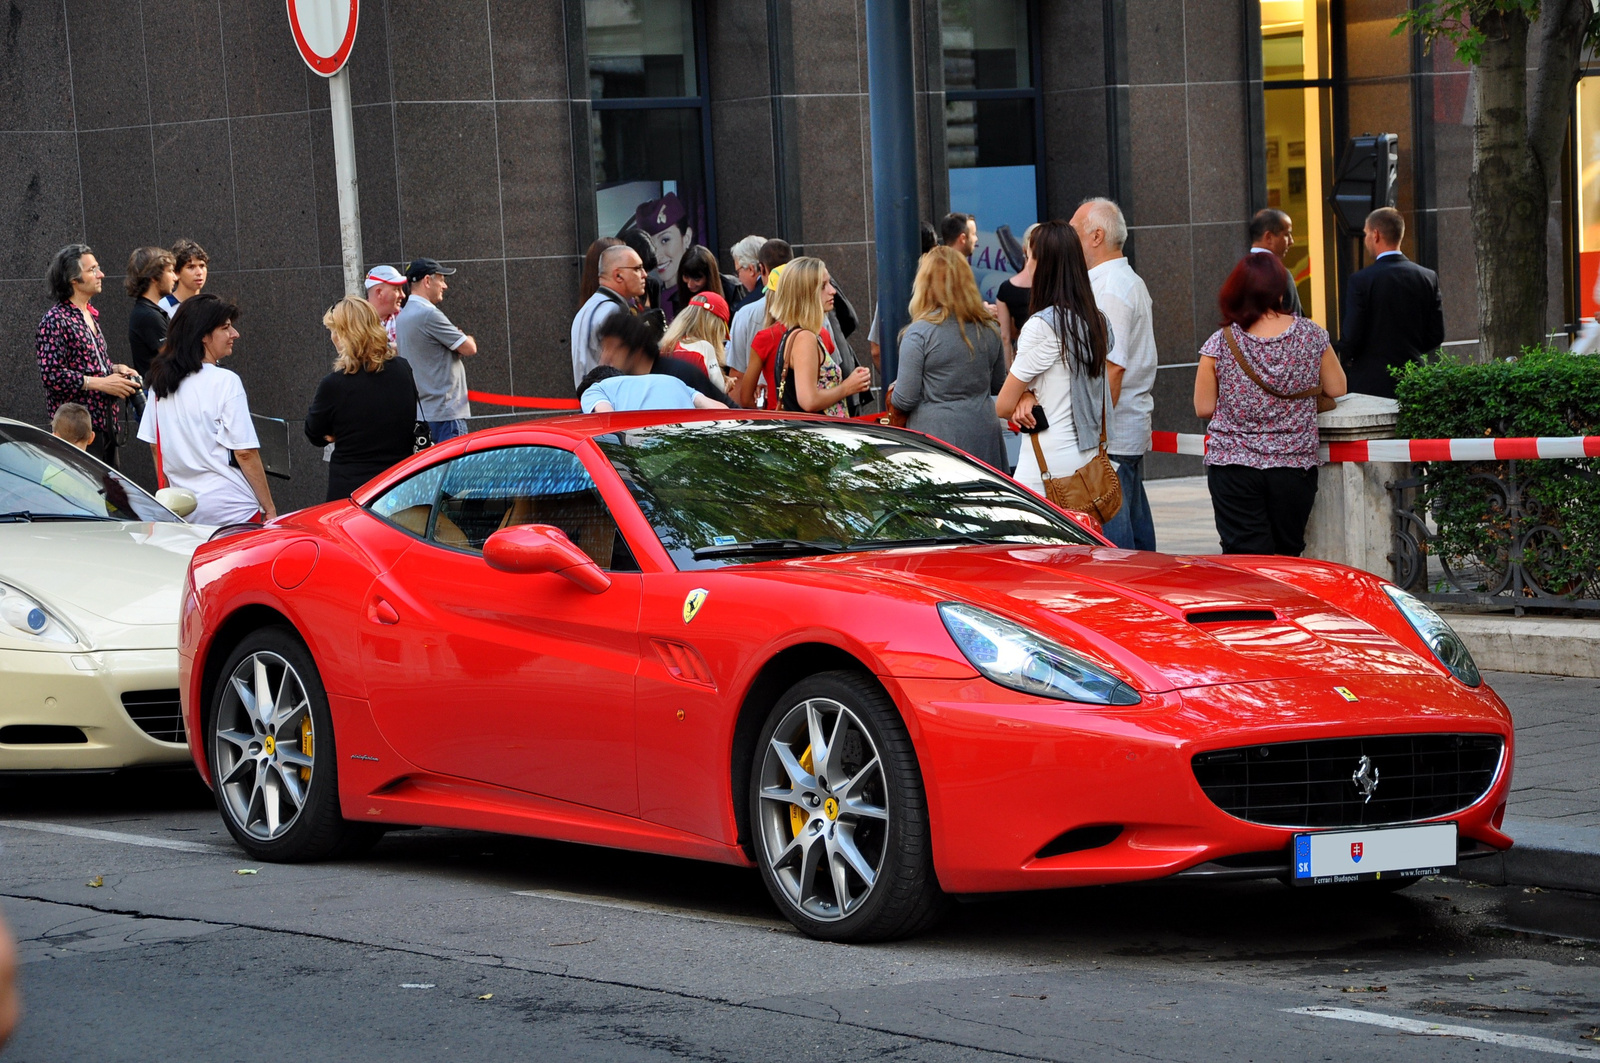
(1545, 854)
(1548, 645)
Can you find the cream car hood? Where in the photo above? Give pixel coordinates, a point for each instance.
(104, 577)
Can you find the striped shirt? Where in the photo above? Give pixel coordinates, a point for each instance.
(585, 347)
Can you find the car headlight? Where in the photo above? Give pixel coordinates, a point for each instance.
(1440, 636)
(22, 615)
(1013, 656)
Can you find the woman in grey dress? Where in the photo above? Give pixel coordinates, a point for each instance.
(951, 360)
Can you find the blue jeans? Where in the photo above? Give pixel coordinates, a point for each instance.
(1132, 528)
(443, 430)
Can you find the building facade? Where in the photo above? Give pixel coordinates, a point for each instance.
(502, 136)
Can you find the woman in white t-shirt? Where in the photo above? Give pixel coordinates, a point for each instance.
(198, 420)
(1060, 365)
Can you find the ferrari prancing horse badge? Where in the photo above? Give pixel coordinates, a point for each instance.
(692, 604)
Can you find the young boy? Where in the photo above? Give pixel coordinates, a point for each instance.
(191, 262)
(72, 423)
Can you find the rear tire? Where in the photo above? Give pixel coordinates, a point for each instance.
(279, 800)
(838, 814)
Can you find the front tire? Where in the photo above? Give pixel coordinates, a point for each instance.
(271, 746)
(839, 817)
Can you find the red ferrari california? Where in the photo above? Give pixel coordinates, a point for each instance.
(866, 663)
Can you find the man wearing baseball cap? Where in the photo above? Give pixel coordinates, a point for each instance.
(435, 347)
(386, 291)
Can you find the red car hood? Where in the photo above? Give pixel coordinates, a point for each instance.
(1145, 612)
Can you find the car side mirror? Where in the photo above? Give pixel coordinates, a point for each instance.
(177, 499)
(543, 548)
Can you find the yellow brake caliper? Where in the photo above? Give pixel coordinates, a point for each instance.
(305, 745)
(798, 815)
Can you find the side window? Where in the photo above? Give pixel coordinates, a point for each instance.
(409, 503)
(493, 489)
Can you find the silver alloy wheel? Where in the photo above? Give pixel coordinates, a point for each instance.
(264, 745)
(824, 830)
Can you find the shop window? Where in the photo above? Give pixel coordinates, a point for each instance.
(1587, 144)
(650, 124)
(1296, 68)
(991, 121)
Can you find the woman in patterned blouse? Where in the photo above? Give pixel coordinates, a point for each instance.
(73, 363)
(1261, 457)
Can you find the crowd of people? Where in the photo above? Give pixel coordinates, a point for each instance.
(1066, 353)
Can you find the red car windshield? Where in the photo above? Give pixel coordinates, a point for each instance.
(722, 492)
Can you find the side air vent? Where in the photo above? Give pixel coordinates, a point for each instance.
(158, 713)
(41, 734)
(1080, 838)
(1232, 616)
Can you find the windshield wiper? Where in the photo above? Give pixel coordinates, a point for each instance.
(797, 547)
(920, 540)
(23, 516)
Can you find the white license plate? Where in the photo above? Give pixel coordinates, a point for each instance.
(1357, 855)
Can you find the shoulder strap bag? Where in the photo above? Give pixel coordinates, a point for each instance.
(1094, 489)
(1324, 403)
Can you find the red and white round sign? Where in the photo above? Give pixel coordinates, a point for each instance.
(324, 31)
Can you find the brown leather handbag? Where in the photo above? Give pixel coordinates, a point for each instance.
(1324, 402)
(1093, 489)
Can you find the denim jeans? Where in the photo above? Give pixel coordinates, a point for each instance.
(443, 430)
(1132, 528)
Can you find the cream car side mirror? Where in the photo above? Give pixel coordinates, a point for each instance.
(177, 499)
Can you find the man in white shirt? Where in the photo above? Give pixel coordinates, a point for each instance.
(1272, 233)
(622, 277)
(1131, 363)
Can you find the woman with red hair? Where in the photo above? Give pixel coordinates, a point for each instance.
(1258, 382)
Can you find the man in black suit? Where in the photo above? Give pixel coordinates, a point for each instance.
(1272, 233)
(1392, 310)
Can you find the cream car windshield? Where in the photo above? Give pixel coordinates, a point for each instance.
(44, 478)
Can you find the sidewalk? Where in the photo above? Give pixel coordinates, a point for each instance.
(1554, 812)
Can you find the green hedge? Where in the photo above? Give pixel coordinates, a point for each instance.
(1543, 393)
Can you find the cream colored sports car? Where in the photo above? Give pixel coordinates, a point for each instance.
(91, 578)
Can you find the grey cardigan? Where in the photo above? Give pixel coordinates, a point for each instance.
(1089, 395)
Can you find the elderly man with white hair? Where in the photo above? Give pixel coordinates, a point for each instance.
(1131, 363)
(747, 264)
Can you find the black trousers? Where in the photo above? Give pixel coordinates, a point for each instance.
(1261, 511)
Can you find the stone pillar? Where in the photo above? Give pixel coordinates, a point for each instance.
(1351, 522)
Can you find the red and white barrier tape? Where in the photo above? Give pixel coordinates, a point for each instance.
(1415, 449)
(1400, 450)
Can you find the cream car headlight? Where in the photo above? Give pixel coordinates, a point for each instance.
(22, 615)
(1440, 636)
(1013, 656)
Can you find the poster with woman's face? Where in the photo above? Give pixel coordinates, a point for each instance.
(672, 218)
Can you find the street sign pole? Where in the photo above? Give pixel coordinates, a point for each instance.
(324, 32)
(344, 167)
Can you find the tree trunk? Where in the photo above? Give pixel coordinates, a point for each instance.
(1509, 194)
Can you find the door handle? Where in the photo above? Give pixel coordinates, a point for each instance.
(381, 612)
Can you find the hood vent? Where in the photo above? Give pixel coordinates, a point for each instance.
(1232, 616)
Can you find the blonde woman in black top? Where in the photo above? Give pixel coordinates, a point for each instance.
(366, 407)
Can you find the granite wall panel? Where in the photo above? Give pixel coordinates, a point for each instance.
(265, 74)
(529, 50)
(35, 89)
(741, 152)
(1219, 153)
(1158, 126)
(534, 158)
(119, 196)
(183, 60)
(540, 351)
(834, 188)
(437, 50)
(449, 191)
(40, 202)
(1155, 42)
(108, 65)
(22, 304)
(194, 188)
(275, 191)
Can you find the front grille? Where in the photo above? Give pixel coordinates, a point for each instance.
(157, 712)
(1309, 784)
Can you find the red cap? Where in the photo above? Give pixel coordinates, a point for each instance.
(713, 302)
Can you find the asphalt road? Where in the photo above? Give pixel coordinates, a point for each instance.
(442, 944)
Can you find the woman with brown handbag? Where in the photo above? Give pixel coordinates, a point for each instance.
(1262, 378)
(1060, 369)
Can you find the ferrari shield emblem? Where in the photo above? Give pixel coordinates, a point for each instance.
(692, 604)
(1355, 852)
(1344, 692)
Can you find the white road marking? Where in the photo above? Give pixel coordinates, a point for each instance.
(112, 836)
(645, 908)
(1434, 1029)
